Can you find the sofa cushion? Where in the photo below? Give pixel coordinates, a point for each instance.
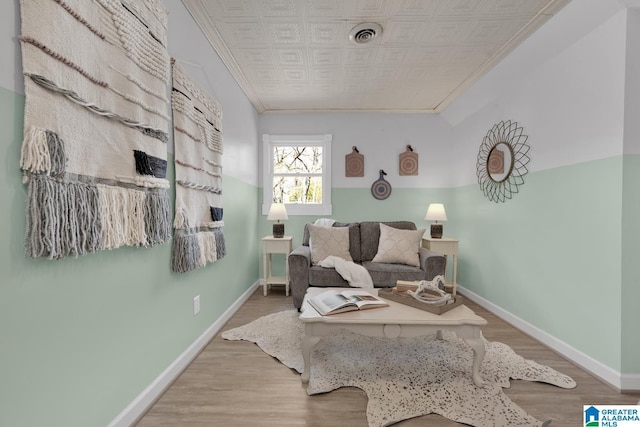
(354, 238)
(325, 277)
(386, 275)
(370, 236)
(399, 246)
(326, 241)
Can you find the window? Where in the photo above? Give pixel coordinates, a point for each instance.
(297, 172)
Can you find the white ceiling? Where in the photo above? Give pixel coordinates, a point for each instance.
(295, 55)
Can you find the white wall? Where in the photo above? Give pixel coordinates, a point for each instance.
(11, 69)
(381, 138)
(570, 102)
(187, 45)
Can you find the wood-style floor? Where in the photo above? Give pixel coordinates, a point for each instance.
(233, 383)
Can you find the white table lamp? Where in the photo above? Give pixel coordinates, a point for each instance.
(436, 213)
(277, 212)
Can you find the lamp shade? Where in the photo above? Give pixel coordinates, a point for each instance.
(277, 211)
(436, 212)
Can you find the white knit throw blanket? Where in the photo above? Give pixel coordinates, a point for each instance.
(96, 125)
(197, 126)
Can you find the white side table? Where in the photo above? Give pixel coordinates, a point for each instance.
(276, 245)
(445, 246)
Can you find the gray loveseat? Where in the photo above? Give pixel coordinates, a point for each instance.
(363, 246)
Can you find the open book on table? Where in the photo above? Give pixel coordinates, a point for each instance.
(334, 301)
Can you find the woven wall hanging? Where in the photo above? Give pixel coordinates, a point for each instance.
(197, 130)
(96, 125)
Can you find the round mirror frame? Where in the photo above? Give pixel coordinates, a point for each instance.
(507, 133)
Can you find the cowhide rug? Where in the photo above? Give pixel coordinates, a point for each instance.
(405, 377)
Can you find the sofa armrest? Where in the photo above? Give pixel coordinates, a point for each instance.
(299, 263)
(432, 263)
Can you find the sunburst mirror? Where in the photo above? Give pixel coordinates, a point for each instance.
(502, 161)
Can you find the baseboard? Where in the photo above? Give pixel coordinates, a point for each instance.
(149, 395)
(625, 382)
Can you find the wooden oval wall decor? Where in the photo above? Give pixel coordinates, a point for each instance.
(381, 189)
(409, 162)
(354, 163)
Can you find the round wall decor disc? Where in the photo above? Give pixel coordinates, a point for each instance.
(381, 189)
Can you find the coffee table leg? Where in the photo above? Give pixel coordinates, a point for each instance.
(477, 344)
(308, 342)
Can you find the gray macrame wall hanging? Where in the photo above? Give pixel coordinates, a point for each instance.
(197, 124)
(95, 148)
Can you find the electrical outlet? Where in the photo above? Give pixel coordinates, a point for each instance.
(196, 305)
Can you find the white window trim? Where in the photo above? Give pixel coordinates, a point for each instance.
(269, 141)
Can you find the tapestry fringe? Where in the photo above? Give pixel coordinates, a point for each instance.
(57, 155)
(186, 253)
(122, 211)
(221, 247)
(208, 247)
(158, 215)
(34, 155)
(181, 220)
(73, 219)
(63, 219)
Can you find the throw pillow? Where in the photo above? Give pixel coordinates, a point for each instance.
(399, 246)
(325, 241)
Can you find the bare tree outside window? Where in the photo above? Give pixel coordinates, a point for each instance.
(297, 174)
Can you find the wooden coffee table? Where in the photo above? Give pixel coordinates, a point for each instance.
(396, 320)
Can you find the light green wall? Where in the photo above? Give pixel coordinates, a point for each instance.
(551, 255)
(631, 265)
(81, 338)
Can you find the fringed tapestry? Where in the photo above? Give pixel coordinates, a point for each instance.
(197, 134)
(96, 125)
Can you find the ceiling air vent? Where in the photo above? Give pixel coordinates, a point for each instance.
(365, 33)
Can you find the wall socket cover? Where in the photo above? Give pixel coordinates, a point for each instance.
(196, 305)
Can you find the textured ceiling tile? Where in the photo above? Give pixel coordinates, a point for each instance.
(403, 32)
(295, 74)
(421, 8)
(359, 55)
(326, 33)
(290, 56)
(372, 8)
(446, 31)
(279, 8)
(325, 56)
(458, 8)
(284, 32)
(235, 8)
(243, 33)
(324, 8)
(357, 74)
(325, 74)
(489, 31)
(393, 56)
(253, 57)
(295, 54)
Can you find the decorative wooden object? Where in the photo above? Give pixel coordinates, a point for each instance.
(403, 297)
(495, 164)
(409, 162)
(381, 189)
(354, 163)
(502, 161)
